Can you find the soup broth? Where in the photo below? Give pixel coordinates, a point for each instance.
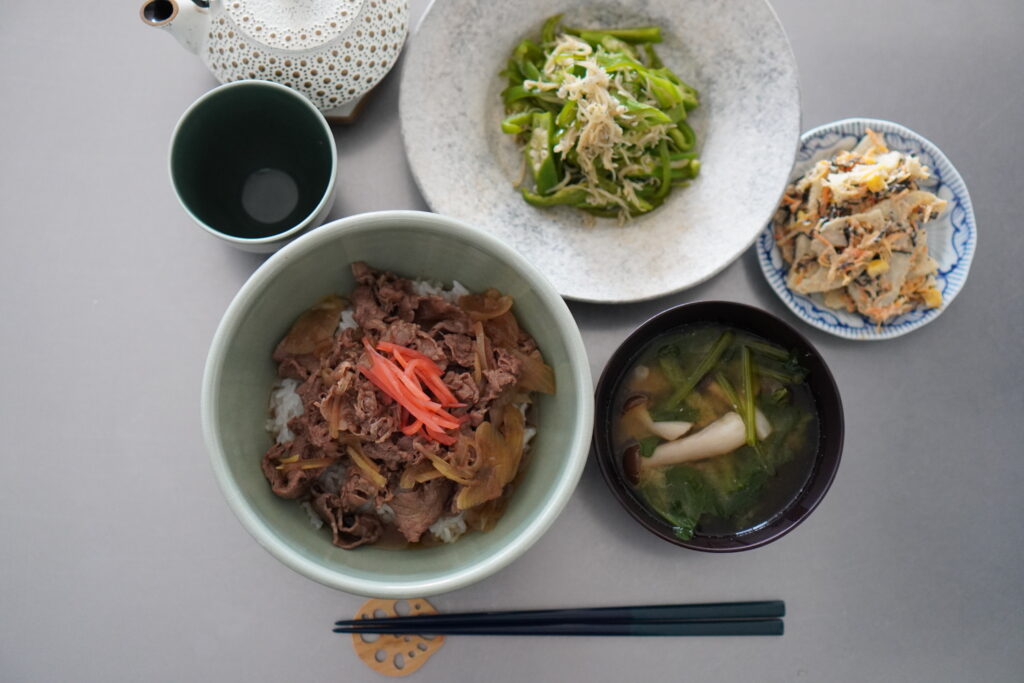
(717, 429)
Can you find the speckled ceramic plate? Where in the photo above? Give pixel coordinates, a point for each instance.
(952, 237)
(748, 125)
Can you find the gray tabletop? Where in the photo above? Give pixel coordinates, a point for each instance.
(121, 561)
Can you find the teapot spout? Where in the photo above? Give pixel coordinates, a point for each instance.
(185, 19)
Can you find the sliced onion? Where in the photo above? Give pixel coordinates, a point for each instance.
(449, 472)
(537, 376)
(486, 306)
(503, 330)
(367, 468)
(313, 331)
(417, 474)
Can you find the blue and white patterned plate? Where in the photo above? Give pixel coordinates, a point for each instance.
(951, 238)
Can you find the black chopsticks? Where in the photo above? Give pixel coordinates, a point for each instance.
(711, 619)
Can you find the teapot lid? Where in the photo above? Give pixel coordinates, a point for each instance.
(293, 24)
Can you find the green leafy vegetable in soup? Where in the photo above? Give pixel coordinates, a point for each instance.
(602, 122)
(717, 429)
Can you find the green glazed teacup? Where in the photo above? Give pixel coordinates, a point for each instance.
(254, 163)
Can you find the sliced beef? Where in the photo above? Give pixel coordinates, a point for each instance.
(348, 348)
(291, 482)
(369, 410)
(463, 386)
(417, 509)
(312, 389)
(504, 372)
(459, 349)
(364, 274)
(401, 332)
(394, 453)
(433, 309)
(366, 311)
(356, 490)
(396, 296)
(297, 367)
(382, 297)
(348, 530)
(412, 336)
(462, 325)
(426, 345)
(357, 408)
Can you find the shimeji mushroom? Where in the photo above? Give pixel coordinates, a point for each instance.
(666, 429)
(722, 436)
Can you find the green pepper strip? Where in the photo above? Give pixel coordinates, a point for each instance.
(645, 111)
(665, 91)
(614, 45)
(567, 115)
(530, 71)
(601, 211)
(640, 34)
(666, 171)
(528, 50)
(617, 62)
(688, 171)
(539, 156)
(543, 100)
(547, 33)
(572, 196)
(683, 136)
(652, 57)
(514, 93)
(516, 123)
(677, 113)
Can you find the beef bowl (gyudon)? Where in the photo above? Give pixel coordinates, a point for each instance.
(429, 404)
(401, 415)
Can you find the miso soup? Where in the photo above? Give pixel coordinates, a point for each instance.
(717, 429)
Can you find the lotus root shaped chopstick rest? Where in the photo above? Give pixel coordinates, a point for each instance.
(395, 655)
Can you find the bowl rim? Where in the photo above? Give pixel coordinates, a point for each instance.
(765, 246)
(827, 459)
(478, 568)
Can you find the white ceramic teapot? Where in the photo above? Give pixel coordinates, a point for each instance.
(332, 51)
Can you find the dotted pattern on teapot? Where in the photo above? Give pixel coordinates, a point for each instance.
(331, 52)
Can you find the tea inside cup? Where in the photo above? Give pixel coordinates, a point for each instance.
(254, 163)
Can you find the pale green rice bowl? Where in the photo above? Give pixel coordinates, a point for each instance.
(240, 373)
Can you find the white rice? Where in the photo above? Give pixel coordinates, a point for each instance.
(284, 405)
(348, 321)
(528, 434)
(314, 518)
(449, 529)
(436, 288)
(386, 514)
